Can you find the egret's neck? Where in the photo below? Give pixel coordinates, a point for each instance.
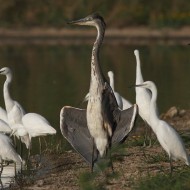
(112, 82)
(96, 72)
(7, 98)
(154, 118)
(139, 78)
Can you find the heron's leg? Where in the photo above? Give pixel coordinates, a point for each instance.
(1, 184)
(93, 147)
(171, 166)
(111, 161)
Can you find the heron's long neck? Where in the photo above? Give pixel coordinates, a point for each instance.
(154, 119)
(139, 78)
(7, 98)
(96, 72)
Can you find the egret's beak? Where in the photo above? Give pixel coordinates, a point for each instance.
(136, 85)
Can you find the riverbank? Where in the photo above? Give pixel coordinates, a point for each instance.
(135, 35)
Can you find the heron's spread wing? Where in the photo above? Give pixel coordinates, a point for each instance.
(74, 128)
(125, 121)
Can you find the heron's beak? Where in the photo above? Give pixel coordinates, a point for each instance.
(78, 22)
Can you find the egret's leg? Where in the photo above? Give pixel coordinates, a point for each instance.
(21, 149)
(147, 136)
(1, 167)
(40, 146)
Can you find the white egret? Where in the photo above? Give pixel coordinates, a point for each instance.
(122, 102)
(25, 126)
(4, 127)
(143, 96)
(93, 131)
(37, 126)
(14, 110)
(7, 151)
(169, 139)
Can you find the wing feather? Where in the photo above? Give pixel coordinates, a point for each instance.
(73, 125)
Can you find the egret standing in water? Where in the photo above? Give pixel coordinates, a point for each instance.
(122, 102)
(93, 131)
(143, 96)
(166, 135)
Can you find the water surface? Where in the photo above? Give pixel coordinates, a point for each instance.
(48, 77)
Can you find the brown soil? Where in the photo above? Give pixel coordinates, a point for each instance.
(63, 171)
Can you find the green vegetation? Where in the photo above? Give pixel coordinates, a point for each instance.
(121, 13)
(180, 180)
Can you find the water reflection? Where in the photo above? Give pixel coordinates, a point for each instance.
(48, 77)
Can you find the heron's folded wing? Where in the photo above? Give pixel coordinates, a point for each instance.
(74, 128)
(125, 121)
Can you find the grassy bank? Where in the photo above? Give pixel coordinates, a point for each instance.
(121, 13)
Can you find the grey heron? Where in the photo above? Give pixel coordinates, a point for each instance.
(167, 136)
(93, 131)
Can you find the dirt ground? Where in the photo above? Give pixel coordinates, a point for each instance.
(65, 171)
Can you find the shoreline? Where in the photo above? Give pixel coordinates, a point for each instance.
(135, 35)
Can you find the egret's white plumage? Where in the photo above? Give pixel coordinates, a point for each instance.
(13, 108)
(21, 133)
(24, 126)
(7, 151)
(166, 135)
(36, 125)
(4, 127)
(142, 95)
(3, 115)
(122, 102)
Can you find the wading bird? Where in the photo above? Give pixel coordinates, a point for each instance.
(14, 110)
(122, 102)
(24, 126)
(93, 131)
(7, 151)
(142, 96)
(166, 135)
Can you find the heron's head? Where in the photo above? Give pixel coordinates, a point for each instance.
(91, 20)
(5, 71)
(110, 74)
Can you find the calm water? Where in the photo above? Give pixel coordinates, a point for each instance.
(48, 77)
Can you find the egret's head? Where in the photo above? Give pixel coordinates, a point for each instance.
(5, 71)
(148, 84)
(91, 20)
(110, 74)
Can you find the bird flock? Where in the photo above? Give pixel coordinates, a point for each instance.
(105, 123)
(14, 121)
(109, 118)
